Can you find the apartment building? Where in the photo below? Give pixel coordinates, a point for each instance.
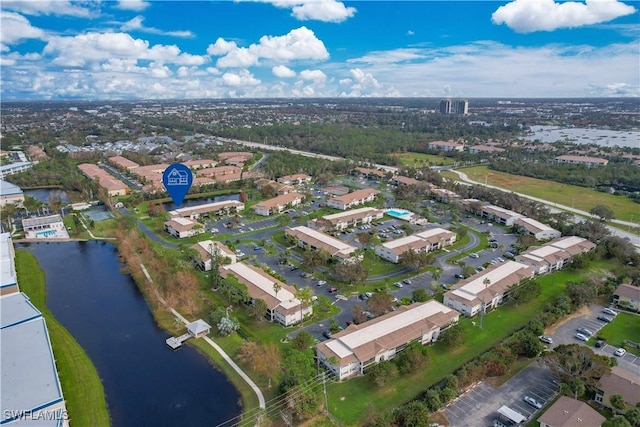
(486, 290)
(424, 241)
(356, 198)
(314, 240)
(277, 204)
(537, 229)
(351, 351)
(346, 219)
(282, 305)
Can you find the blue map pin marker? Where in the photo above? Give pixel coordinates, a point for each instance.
(177, 179)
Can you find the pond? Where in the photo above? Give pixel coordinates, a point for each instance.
(145, 382)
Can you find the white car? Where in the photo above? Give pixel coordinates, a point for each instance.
(581, 337)
(620, 352)
(609, 312)
(474, 255)
(531, 401)
(322, 282)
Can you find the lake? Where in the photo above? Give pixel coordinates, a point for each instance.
(146, 383)
(602, 137)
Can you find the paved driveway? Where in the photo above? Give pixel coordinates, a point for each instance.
(479, 406)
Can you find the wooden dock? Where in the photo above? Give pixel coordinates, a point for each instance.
(176, 342)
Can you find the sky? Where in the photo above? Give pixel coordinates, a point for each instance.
(146, 49)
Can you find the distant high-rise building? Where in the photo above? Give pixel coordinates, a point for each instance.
(456, 106)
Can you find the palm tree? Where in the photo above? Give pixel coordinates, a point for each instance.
(305, 295)
(276, 288)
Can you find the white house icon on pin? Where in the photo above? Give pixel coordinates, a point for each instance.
(177, 177)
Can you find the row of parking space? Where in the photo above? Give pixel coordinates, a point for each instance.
(480, 405)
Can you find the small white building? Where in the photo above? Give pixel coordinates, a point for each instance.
(45, 227)
(183, 227)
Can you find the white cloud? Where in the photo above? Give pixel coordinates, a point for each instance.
(242, 78)
(89, 48)
(390, 56)
(316, 76)
(299, 44)
(526, 16)
(135, 24)
(319, 10)
(135, 5)
(410, 32)
(15, 28)
(49, 7)
(283, 72)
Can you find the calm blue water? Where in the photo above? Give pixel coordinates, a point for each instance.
(146, 383)
(43, 194)
(200, 201)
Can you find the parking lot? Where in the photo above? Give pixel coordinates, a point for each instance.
(565, 334)
(479, 406)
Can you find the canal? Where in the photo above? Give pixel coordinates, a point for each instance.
(146, 384)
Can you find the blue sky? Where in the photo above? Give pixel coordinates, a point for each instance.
(137, 49)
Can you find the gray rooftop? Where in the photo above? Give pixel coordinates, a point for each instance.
(28, 375)
(9, 189)
(7, 270)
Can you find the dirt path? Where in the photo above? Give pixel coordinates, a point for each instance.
(584, 311)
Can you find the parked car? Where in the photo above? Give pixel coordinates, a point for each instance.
(585, 331)
(531, 401)
(600, 343)
(321, 282)
(305, 274)
(294, 268)
(407, 281)
(605, 319)
(398, 285)
(459, 276)
(620, 352)
(363, 297)
(333, 290)
(326, 334)
(581, 337)
(609, 312)
(546, 339)
(474, 255)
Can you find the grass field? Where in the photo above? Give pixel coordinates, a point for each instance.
(624, 327)
(350, 400)
(416, 159)
(568, 195)
(81, 385)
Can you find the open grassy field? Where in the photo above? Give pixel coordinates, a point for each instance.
(569, 195)
(80, 381)
(624, 327)
(350, 400)
(416, 159)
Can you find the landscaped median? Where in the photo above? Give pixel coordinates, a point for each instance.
(351, 400)
(81, 385)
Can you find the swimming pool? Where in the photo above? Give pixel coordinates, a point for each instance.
(397, 213)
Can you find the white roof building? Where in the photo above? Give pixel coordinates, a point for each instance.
(359, 346)
(537, 229)
(316, 240)
(486, 288)
(424, 241)
(283, 306)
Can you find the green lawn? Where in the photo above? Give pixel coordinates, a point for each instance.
(417, 159)
(81, 385)
(625, 326)
(348, 401)
(569, 195)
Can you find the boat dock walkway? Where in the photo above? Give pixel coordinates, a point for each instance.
(176, 342)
